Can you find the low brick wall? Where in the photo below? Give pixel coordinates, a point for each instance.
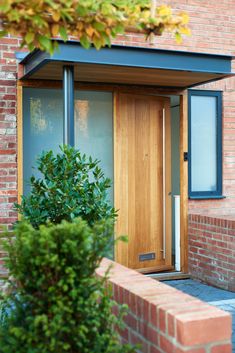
(212, 249)
(165, 320)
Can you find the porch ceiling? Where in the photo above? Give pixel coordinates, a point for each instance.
(128, 65)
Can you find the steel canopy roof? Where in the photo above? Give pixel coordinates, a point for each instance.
(128, 65)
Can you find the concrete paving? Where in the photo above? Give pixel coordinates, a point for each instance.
(222, 299)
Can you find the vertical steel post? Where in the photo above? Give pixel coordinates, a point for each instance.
(68, 95)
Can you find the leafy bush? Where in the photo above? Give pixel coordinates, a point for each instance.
(71, 186)
(56, 303)
(59, 305)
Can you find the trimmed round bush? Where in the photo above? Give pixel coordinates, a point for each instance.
(56, 303)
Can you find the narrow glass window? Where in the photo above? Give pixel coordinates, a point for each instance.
(205, 141)
(42, 127)
(94, 128)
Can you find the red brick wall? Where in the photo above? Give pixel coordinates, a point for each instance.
(165, 320)
(213, 28)
(8, 157)
(212, 25)
(8, 162)
(212, 250)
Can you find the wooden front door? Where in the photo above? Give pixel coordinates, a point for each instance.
(142, 179)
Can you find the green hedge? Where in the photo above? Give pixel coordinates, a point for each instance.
(58, 304)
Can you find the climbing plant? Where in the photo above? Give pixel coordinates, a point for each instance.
(91, 21)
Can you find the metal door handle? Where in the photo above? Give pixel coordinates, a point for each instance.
(164, 182)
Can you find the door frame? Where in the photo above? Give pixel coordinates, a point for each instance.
(134, 89)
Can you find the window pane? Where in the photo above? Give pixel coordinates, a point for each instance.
(94, 128)
(43, 126)
(203, 144)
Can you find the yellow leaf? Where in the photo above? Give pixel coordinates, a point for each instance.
(164, 10)
(185, 30)
(184, 18)
(108, 31)
(79, 26)
(145, 15)
(56, 16)
(109, 21)
(30, 12)
(175, 21)
(90, 31)
(55, 29)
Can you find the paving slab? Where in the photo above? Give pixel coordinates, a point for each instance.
(220, 298)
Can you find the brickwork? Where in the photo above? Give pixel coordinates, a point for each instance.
(165, 320)
(8, 143)
(212, 25)
(213, 28)
(212, 249)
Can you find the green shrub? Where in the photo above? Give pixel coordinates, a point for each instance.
(71, 185)
(56, 303)
(59, 305)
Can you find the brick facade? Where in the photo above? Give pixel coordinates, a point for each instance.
(8, 143)
(165, 320)
(212, 249)
(213, 29)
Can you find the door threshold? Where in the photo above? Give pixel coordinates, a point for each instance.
(168, 276)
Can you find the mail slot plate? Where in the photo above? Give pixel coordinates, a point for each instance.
(147, 256)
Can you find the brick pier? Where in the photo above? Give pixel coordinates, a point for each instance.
(212, 249)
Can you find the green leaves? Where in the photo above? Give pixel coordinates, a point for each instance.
(56, 303)
(85, 42)
(92, 22)
(63, 33)
(5, 6)
(29, 37)
(72, 185)
(45, 43)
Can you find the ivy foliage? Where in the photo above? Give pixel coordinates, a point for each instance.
(56, 304)
(71, 185)
(91, 21)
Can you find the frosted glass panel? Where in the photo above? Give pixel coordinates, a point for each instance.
(203, 143)
(94, 128)
(43, 126)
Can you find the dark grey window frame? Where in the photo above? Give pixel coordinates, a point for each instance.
(219, 153)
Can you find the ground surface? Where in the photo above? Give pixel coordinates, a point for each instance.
(223, 299)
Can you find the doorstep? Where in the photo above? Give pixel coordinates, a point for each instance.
(173, 275)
